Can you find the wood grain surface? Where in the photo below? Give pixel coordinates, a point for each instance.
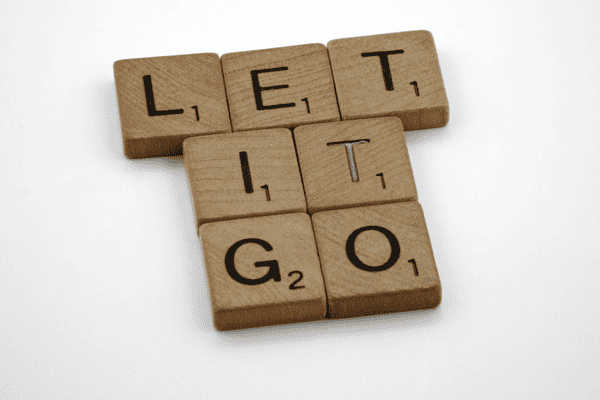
(382, 172)
(408, 280)
(288, 286)
(222, 169)
(392, 74)
(164, 100)
(281, 87)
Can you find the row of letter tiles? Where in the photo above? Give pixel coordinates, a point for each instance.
(335, 264)
(372, 252)
(332, 165)
(164, 100)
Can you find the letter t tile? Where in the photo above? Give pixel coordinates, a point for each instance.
(354, 163)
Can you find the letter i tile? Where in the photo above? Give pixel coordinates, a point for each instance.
(243, 174)
(263, 271)
(377, 259)
(354, 163)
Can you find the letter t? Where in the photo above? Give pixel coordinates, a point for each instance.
(350, 155)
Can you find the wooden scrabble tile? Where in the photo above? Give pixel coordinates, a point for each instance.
(282, 87)
(376, 260)
(392, 74)
(163, 100)
(243, 174)
(263, 271)
(353, 163)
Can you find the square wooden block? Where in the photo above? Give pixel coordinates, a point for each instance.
(283, 87)
(164, 100)
(393, 74)
(243, 174)
(376, 260)
(354, 163)
(263, 271)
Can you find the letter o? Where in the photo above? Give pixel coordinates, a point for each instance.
(351, 252)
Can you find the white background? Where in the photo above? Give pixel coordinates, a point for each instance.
(103, 293)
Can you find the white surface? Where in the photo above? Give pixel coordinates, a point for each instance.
(102, 289)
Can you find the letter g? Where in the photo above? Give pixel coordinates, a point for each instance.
(273, 265)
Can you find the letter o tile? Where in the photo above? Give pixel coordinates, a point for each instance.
(376, 260)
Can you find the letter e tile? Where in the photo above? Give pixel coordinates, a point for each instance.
(280, 88)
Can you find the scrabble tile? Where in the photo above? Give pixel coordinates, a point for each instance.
(354, 163)
(376, 259)
(243, 174)
(392, 74)
(283, 87)
(263, 271)
(163, 100)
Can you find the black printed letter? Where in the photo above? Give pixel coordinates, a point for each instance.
(351, 252)
(258, 89)
(385, 65)
(150, 100)
(272, 264)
